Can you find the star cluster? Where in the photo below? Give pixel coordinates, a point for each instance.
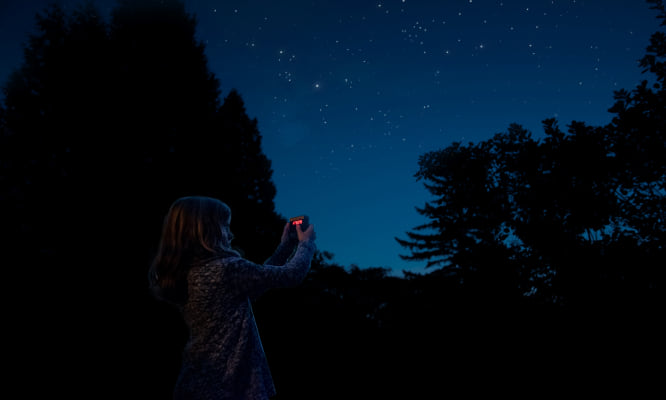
(349, 94)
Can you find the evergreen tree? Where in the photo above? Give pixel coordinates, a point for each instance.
(42, 140)
(104, 124)
(255, 223)
(128, 108)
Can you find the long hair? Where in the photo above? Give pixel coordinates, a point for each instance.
(195, 228)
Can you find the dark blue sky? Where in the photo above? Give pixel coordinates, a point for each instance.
(348, 94)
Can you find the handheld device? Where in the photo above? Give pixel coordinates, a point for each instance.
(301, 220)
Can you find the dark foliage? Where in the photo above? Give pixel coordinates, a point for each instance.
(575, 219)
(103, 126)
(106, 123)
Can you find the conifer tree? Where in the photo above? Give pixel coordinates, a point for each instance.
(256, 224)
(125, 109)
(103, 125)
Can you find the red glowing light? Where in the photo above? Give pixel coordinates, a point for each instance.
(297, 222)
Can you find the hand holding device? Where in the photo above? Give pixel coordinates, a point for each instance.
(301, 221)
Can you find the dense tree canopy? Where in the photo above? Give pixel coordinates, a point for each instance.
(573, 218)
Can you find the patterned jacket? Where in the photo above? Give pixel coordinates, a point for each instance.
(223, 357)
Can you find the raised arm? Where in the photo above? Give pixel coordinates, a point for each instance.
(253, 279)
(284, 250)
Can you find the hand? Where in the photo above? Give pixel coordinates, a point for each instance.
(309, 233)
(285, 233)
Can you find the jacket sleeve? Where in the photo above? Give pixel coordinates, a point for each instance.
(251, 279)
(282, 253)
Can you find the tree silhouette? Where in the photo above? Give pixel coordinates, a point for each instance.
(255, 223)
(128, 108)
(576, 218)
(103, 125)
(638, 144)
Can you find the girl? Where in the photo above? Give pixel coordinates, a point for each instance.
(212, 285)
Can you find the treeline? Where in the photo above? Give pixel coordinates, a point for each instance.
(546, 256)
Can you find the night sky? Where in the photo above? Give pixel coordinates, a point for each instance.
(348, 94)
